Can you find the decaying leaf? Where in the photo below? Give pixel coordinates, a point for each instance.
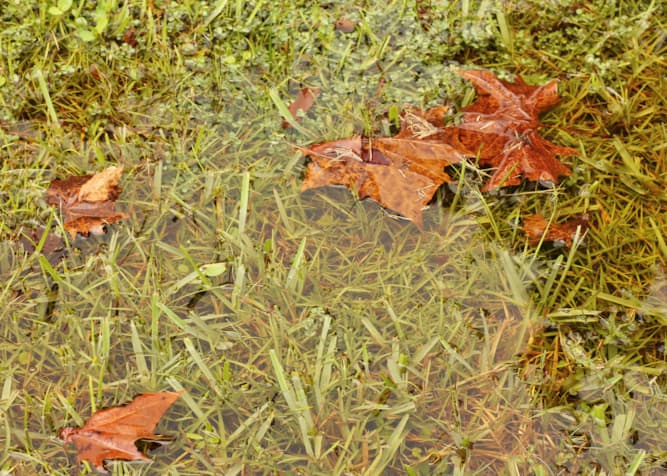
(111, 433)
(52, 245)
(303, 102)
(536, 227)
(501, 126)
(403, 172)
(87, 202)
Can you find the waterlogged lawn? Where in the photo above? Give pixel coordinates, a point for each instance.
(313, 333)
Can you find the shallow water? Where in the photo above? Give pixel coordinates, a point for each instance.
(459, 348)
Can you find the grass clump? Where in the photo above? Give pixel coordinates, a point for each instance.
(314, 333)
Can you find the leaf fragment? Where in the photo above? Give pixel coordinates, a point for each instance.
(303, 102)
(101, 187)
(344, 25)
(538, 228)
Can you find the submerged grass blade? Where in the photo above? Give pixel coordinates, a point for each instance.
(296, 401)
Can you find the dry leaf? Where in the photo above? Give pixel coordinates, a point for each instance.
(111, 433)
(87, 202)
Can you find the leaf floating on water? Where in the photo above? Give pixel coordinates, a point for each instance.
(112, 433)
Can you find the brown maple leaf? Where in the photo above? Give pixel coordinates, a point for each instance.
(88, 201)
(537, 228)
(402, 173)
(501, 126)
(111, 433)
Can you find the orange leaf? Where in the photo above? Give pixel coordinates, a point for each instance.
(88, 201)
(501, 126)
(344, 25)
(111, 433)
(536, 226)
(402, 173)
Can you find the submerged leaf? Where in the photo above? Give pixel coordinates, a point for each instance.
(537, 228)
(402, 173)
(303, 102)
(501, 127)
(87, 202)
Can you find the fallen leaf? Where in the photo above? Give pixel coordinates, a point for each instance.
(53, 246)
(112, 433)
(303, 102)
(402, 173)
(501, 126)
(537, 228)
(87, 202)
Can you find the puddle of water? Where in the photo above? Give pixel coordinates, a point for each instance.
(430, 323)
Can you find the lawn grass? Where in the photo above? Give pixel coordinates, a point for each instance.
(314, 333)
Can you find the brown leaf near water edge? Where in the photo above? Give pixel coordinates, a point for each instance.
(536, 226)
(87, 202)
(502, 125)
(402, 173)
(303, 102)
(345, 25)
(112, 433)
